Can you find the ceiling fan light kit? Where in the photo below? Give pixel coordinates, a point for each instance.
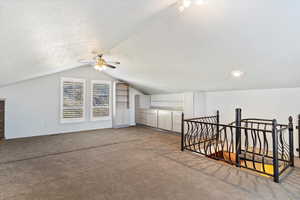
(100, 63)
(100, 67)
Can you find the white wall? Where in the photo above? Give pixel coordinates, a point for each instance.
(175, 101)
(33, 107)
(268, 103)
(192, 103)
(144, 101)
(199, 104)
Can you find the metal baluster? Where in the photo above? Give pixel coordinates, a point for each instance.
(238, 120)
(275, 151)
(265, 150)
(298, 135)
(291, 141)
(218, 130)
(182, 132)
(200, 138)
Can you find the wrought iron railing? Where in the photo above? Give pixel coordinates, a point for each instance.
(298, 127)
(260, 145)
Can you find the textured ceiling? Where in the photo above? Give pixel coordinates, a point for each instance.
(198, 49)
(161, 50)
(40, 37)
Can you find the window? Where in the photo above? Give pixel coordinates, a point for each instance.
(72, 100)
(101, 100)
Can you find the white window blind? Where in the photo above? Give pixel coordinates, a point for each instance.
(73, 100)
(101, 100)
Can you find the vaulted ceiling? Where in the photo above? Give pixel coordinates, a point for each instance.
(40, 37)
(161, 49)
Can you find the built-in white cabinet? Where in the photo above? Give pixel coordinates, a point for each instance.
(165, 120)
(151, 118)
(164, 111)
(177, 115)
(147, 117)
(157, 118)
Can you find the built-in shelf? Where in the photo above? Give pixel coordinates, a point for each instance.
(122, 94)
(122, 112)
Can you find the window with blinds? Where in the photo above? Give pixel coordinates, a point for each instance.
(101, 95)
(73, 100)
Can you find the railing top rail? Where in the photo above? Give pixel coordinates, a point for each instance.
(261, 121)
(283, 128)
(231, 126)
(207, 117)
(258, 119)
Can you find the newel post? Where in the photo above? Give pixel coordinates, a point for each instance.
(275, 151)
(182, 132)
(218, 126)
(298, 127)
(238, 123)
(291, 141)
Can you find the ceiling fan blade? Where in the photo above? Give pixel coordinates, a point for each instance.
(111, 66)
(115, 63)
(85, 61)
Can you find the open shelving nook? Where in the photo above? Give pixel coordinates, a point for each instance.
(122, 95)
(121, 105)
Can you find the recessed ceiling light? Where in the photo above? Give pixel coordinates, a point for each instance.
(181, 8)
(237, 73)
(183, 4)
(200, 2)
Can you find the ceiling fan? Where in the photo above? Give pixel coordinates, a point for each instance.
(100, 63)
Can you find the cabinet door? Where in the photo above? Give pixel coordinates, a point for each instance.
(152, 118)
(165, 120)
(177, 121)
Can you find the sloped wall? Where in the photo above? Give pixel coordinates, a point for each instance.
(33, 106)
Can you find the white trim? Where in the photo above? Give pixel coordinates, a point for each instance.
(62, 80)
(92, 118)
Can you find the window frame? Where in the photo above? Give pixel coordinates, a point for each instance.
(92, 98)
(74, 120)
